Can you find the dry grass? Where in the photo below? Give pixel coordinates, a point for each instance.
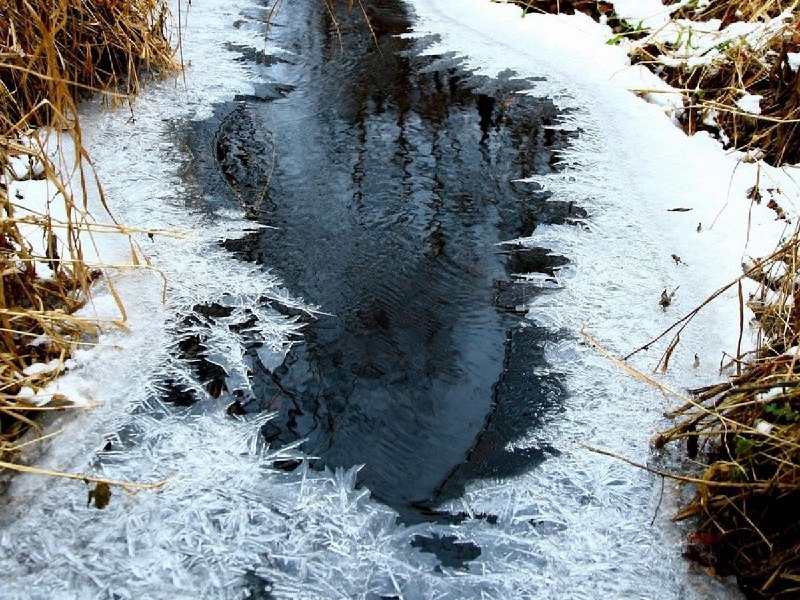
(757, 66)
(728, 11)
(52, 54)
(593, 8)
(710, 89)
(746, 433)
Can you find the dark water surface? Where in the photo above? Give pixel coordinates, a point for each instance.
(388, 179)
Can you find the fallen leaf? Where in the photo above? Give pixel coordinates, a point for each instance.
(101, 494)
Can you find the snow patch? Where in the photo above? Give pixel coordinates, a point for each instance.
(43, 368)
(750, 103)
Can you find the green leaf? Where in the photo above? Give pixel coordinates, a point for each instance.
(744, 446)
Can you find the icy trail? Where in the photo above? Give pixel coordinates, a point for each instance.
(228, 524)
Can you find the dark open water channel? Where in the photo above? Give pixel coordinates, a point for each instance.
(387, 179)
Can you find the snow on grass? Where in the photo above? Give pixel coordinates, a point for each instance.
(645, 14)
(750, 103)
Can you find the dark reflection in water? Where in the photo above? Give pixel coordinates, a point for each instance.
(388, 178)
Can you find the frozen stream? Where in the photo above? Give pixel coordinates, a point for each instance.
(387, 180)
(363, 258)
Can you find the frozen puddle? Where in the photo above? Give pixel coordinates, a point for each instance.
(240, 519)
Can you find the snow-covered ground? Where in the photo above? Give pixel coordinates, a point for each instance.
(227, 521)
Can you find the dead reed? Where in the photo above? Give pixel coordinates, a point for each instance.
(52, 54)
(745, 432)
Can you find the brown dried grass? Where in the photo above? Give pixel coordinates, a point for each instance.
(52, 54)
(729, 11)
(711, 90)
(745, 432)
